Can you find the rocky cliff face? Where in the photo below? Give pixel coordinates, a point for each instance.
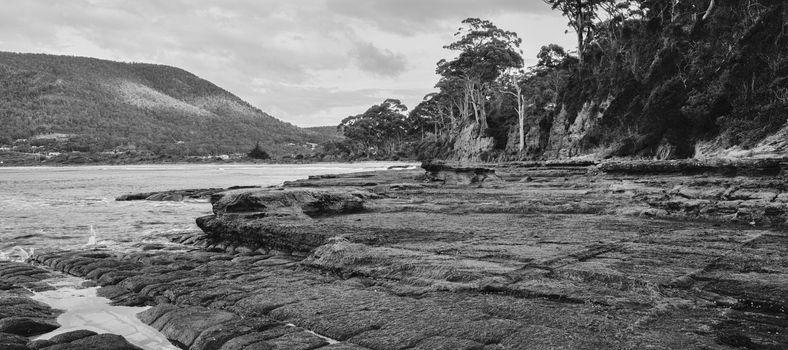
(469, 146)
(669, 87)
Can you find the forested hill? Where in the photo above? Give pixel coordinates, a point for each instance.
(99, 105)
(330, 131)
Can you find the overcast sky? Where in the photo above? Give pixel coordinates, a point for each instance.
(308, 62)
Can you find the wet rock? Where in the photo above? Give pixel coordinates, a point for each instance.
(267, 233)
(104, 342)
(72, 336)
(722, 167)
(6, 285)
(451, 174)
(444, 343)
(177, 195)
(343, 346)
(360, 179)
(18, 305)
(297, 341)
(285, 202)
(150, 316)
(168, 197)
(217, 336)
(13, 346)
(27, 326)
(40, 344)
(184, 325)
(571, 261)
(8, 338)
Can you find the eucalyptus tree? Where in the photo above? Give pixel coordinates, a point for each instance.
(581, 14)
(485, 52)
(382, 128)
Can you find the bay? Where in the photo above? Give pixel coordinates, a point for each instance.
(55, 207)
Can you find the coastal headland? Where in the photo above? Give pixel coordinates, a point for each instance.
(524, 255)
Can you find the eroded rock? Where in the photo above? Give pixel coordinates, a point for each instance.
(289, 202)
(456, 174)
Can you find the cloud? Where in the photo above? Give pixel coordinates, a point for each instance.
(411, 17)
(377, 61)
(309, 62)
(320, 105)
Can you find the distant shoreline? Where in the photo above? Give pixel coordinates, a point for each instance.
(87, 159)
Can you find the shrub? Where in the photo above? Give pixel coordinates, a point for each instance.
(258, 153)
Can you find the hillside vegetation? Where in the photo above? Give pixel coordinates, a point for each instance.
(650, 79)
(104, 105)
(330, 131)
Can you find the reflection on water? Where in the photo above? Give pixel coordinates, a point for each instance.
(84, 310)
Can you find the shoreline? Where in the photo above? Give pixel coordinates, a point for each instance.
(4, 162)
(232, 164)
(663, 254)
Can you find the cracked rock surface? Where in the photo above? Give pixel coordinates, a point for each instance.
(556, 256)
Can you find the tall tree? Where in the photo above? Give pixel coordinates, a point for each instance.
(382, 128)
(553, 56)
(581, 14)
(517, 92)
(486, 51)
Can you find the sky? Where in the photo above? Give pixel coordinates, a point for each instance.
(307, 62)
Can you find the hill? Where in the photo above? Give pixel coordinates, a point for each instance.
(88, 104)
(329, 131)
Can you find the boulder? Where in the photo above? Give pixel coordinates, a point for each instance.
(457, 174)
(291, 202)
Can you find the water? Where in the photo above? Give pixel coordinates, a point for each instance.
(82, 309)
(55, 207)
(70, 207)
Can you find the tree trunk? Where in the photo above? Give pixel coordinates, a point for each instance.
(581, 26)
(521, 115)
(709, 10)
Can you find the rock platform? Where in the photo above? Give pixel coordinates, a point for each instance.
(526, 256)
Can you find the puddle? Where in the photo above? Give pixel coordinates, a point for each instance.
(84, 310)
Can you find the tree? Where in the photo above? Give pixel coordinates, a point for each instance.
(486, 51)
(553, 56)
(382, 128)
(435, 112)
(258, 153)
(580, 14)
(517, 93)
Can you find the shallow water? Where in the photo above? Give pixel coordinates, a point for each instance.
(54, 207)
(84, 310)
(45, 208)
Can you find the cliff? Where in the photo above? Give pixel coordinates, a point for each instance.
(664, 86)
